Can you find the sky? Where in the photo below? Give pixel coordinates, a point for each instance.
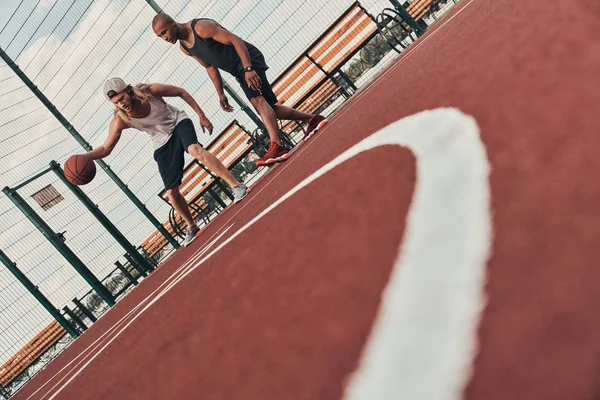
(69, 48)
(7, 7)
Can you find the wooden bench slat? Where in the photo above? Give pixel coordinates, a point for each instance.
(192, 176)
(334, 57)
(302, 89)
(198, 179)
(30, 353)
(328, 87)
(418, 8)
(340, 42)
(418, 5)
(316, 102)
(311, 73)
(358, 25)
(312, 104)
(291, 76)
(234, 144)
(39, 338)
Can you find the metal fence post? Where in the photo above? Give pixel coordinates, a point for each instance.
(84, 310)
(31, 288)
(406, 16)
(126, 273)
(76, 320)
(58, 243)
(93, 208)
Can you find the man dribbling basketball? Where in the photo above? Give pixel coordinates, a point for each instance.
(216, 48)
(172, 132)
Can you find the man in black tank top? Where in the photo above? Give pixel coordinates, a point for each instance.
(215, 48)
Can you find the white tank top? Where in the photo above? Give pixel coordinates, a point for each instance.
(160, 123)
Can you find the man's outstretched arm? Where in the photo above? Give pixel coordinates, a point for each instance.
(116, 127)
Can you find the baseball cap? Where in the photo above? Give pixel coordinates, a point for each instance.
(116, 85)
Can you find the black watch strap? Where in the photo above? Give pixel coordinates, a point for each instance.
(248, 69)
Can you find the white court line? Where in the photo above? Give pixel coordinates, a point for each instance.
(424, 339)
(99, 340)
(452, 131)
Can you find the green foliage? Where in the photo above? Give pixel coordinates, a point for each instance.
(369, 56)
(116, 283)
(94, 302)
(212, 203)
(155, 259)
(243, 169)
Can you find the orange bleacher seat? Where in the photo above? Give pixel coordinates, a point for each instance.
(299, 86)
(30, 353)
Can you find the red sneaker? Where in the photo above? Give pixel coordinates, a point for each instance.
(317, 122)
(276, 153)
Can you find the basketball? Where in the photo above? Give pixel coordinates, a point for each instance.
(80, 169)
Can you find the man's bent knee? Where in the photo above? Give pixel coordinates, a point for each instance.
(173, 192)
(258, 101)
(196, 151)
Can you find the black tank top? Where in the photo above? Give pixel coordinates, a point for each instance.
(223, 56)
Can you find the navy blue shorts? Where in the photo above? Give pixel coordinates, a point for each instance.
(170, 157)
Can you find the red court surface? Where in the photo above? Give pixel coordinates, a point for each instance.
(284, 307)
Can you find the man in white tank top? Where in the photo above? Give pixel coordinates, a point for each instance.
(172, 132)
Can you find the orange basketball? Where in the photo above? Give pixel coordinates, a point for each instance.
(80, 169)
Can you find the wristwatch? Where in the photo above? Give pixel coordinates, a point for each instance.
(248, 69)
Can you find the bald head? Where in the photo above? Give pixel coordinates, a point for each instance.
(161, 18)
(165, 27)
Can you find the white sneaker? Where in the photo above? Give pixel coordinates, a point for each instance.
(190, 235)
(239, 192)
